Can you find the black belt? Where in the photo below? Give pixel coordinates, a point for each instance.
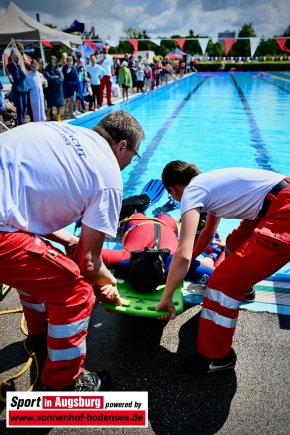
(274, 191)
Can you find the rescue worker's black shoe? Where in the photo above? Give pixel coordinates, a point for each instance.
(88, 381)
(250, 295)
(197, 364)
(93, 381)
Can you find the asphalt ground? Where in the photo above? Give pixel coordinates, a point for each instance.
(142, 355)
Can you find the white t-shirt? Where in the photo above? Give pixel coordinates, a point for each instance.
(95, 73)
(53, 173)
(140, 74)
(231, 193)
(106, 64)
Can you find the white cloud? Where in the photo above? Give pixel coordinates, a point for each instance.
(165, 18)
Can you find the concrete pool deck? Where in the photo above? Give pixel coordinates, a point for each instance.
(142, 355)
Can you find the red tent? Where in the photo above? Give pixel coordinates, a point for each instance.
(174, 56)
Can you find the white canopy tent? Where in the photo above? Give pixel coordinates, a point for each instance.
(16, 24)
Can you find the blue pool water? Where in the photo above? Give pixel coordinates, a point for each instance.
(4, 80)
(213, 120)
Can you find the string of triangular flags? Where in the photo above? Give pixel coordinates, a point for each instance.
(203, 42)
(254, 42)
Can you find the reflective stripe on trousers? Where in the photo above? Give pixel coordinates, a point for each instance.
(53, 283)
(29, 302)
(218, 319)
(260, 248)
(67, 354)
(67, 331)
(219, 315)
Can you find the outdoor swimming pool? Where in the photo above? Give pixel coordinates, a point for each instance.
(213, 120)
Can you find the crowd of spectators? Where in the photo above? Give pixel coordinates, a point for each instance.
(71, 85)
(148, 73)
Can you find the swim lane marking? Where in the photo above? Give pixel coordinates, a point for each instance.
(142, 165)
(275, 84)
(257, 142)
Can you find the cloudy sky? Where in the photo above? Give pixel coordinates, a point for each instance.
(164, 17)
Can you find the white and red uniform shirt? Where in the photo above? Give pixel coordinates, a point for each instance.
(107, 63)
(231, 193)
(51, 174)
(259, 247)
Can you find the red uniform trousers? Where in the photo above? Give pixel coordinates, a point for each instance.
(55, 298)
(105, 81)
(258, 248)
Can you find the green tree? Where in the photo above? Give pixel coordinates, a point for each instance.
(168, 45)
(125, 47)
(131, 33)
(192, 47)
(268, 48)
(242, 47)
(146, 44)
(287, 31)
(161, 51)
(247, 30)
(215, 49)
(143, 35)
(52, 26)
(287, 34)
(96, 36)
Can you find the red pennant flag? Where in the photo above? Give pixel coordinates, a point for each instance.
(228, 44)
(90, 44)
(46, 44)
(180, 42)
(282, 44)
(134, 42)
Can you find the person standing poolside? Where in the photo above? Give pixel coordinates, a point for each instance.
(19, 87)
(54, 94)
(70, 86)
(258, 247)
(125, 80)
(35, 81)
(106, 62)
(148, 77)
(159, 70)
(52, 174)
(95, 73)
(26, 60)
(116, 68)
(67, 53)
(133, 69)
(140, 62)
(140, 75)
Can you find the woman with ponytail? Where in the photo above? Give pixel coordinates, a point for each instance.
(257, 248)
